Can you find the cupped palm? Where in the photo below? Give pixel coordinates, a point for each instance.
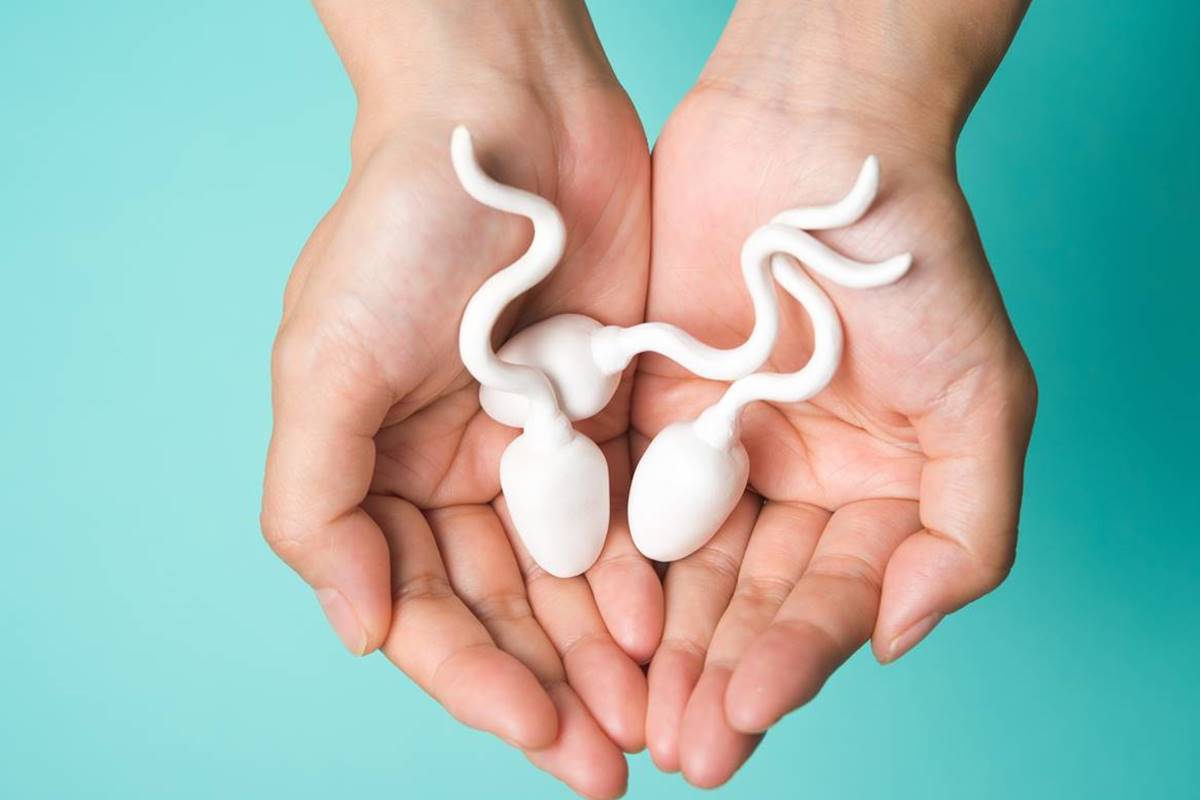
(887, 500)
(383, 474)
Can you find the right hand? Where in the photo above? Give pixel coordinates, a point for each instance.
(382, 486)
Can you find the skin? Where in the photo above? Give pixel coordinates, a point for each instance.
(887, 502)
(382, 486)
(891, 499)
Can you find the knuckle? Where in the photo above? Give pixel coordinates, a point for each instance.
(335, 342)
(1029, 383)
(994, 568)
(290, 356)
(289, 537)
(983, 563)
(1021, 392)
(276, 530)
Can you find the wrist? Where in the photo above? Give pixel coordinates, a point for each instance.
(454, 57)
(911, 70)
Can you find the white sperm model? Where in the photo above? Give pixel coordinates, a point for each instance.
(555, 481)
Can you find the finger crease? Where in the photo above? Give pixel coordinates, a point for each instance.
(849, 567)
(606, 563)
(501, 607)
(684, 644)
(764, 590)
(714, 561)
(422, 587)
(574, 642)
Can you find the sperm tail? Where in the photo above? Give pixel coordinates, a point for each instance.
(846, 211)
(490, 300)
(786, 242)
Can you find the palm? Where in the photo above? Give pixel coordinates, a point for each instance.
(381, 286)
(836, 484)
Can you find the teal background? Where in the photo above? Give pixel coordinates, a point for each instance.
(160, 167)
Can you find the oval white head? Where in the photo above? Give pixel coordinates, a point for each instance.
(560, 347)
(557, 494)
(685, 488)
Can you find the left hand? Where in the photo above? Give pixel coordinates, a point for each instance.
(887, 501)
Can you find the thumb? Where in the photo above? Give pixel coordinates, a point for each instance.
(328, 405)
(970, 499)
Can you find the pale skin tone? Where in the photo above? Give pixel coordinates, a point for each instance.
(884, 504)
(891, 499)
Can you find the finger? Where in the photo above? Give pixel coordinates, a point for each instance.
(484, 573)
(970, 501)
(710, 751)
(624, 584)
(627, 592)
(697, 589)
(781, 544)
(582, 756)
(328, 406)
(437, 642)
(827, 616)
(610, 684)
(783, 541)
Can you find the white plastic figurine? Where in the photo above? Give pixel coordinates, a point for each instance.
(555, 480)
(568, 367)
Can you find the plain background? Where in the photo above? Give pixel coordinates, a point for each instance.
(161, 165)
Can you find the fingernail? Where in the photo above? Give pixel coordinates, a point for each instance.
(343, 619)
(909, 639)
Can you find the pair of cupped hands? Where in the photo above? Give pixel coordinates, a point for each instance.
(885, 503)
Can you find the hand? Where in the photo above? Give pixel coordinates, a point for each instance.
(889, 500)
(382, 479)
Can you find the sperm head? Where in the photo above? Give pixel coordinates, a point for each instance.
(683, 490)
(556, 487)
(561, 348)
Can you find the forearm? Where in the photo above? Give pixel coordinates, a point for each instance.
(924, 62)
(405, 54)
